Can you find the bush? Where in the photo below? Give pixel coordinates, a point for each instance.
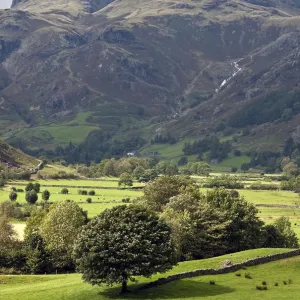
(264, 283)
(88, 200)
(20, 191)
(234, 169)
(248, 276)
(212, 282)
(226, 181)
(238, 274)
(126, 200)
(92, 193)
(13, 196)
(276, 284)
(45, 195)
(64, 191)
(29, 187)
(285, 282)
(31, 197)
(265, 187)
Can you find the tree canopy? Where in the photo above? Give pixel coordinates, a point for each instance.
(121, 243)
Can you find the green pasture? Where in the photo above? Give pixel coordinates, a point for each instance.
(113, 182)
(226, 287)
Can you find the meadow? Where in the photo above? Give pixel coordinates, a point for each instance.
(226, 287)
(271, 204)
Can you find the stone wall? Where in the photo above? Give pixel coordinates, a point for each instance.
(229, 269)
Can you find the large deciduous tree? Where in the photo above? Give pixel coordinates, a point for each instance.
(158, 192)
(121, 243)
(59, 229)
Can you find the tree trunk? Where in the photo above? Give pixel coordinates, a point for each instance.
(124, 284)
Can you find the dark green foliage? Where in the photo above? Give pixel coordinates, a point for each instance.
(38, 259)
(36, 187)
(212, 282)
(13, 196)
(264, 283)
(280, 235)
(64, 191)
(238, 274)
(45, 195)
(29, 187)
(284, 282)
(260, 186)
(277, 105)
(127, 241)
(82, 192)
(31, 197)
(92, 193)
(182, 161)
(33, 187)
(89, 200)
(245, 228)
(248, 276)
(276, 284)
(211, 145)
(226, 181)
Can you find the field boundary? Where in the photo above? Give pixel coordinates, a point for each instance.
(86, 187)
(233, 268)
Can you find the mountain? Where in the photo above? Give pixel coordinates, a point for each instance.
(110, 75)
(15, 158)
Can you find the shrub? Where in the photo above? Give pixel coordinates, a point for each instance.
(20, 191)
(29, 187)
(259, 186)
(88, 200)
(126, 200)
(13, 196)
(248, 276)
(234, 169)
(45, 195)
(238, 274)
(84, 192)
(212, 282)
(276, 284)
(92, 193)
(264, 283)
(226, 181)
(64, 191)
(31, 197)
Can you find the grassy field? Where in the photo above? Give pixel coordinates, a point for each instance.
(227, 287)
(107, 198)
(104, 198)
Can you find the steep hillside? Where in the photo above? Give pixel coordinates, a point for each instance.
(12, 157)
(105, 72)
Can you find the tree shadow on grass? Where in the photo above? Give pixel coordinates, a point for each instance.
(175, 290)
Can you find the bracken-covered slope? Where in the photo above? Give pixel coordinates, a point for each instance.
(15, 158)
(141, 67)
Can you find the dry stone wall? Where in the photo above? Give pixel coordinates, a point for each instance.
(229, 269)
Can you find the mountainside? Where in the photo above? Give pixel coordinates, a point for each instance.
(14, 158)
(105, 72)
